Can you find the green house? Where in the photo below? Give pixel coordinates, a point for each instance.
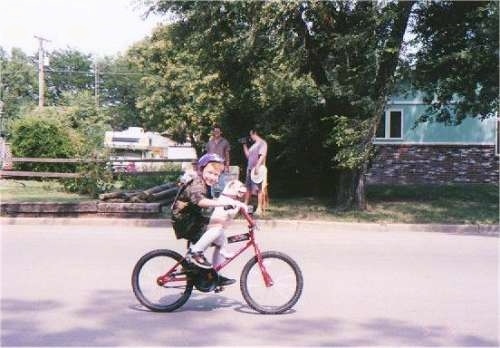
(410, 152)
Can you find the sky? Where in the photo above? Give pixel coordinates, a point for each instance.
(98, 27)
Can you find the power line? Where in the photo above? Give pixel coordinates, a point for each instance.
(91, 72)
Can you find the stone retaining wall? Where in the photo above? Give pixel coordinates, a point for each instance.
(142, 210)
(434, 164)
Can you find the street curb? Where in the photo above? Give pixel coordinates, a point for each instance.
(476, 229)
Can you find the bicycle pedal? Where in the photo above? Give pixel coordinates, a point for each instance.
(219, 289)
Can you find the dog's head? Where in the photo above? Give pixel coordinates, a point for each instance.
(234, 189)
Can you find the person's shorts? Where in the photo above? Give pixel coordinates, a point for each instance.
(252, 187)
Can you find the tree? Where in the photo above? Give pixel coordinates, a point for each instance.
(351, 52)
(348, 49)
(119, 84)
(88, 121)
(228, 41)
(457, 63)
(69, 71)
(178, 96)
(18, 82)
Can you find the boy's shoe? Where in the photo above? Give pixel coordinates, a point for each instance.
(223, 281)
(198, 259)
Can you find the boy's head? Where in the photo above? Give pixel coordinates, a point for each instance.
(210, 166)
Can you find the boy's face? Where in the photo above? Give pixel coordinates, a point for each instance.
(211, 173)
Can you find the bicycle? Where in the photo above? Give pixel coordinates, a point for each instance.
(271, 282)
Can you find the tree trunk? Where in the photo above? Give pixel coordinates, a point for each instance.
(360, 197)
(345, 189)
(383, 84)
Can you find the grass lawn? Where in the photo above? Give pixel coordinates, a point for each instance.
(36, 191)
(448, 204)
(453, 204)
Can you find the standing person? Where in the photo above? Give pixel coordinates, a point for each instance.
(193, 207)
(219, 145)
(256, 167)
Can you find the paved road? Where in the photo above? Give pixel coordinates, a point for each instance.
(70, 286)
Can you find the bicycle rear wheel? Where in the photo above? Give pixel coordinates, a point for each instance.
(286, 288)
(159, 296)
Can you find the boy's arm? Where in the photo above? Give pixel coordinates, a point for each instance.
(208, 203)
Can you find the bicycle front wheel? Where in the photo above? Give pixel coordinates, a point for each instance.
(157, 284)
(286, 287)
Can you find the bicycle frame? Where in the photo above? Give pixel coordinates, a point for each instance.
(171, 275)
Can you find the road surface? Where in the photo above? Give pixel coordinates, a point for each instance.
(70, 286)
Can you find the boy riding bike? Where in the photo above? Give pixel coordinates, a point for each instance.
(193, 207)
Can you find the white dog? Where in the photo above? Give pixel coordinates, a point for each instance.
(233, 192)
(222, 217)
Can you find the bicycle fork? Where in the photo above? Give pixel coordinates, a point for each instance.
(268, 281)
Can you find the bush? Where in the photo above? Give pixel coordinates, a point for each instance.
(128, 182)
(95, 179)
(44, 137)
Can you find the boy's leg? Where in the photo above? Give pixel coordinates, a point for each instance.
(218, 257)
(196, 250)
(220, 252)
(206, 240)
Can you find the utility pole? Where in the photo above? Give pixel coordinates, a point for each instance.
(96, 83)
(2, 104)
(41, 75)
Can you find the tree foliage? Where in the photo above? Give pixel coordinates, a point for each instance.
(457, 61)
(178, 95)
(43, 135)
(18, 82)
(69, 71)
(316, 74)
(118, 82)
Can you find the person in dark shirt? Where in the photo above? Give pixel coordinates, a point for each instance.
(219, 145)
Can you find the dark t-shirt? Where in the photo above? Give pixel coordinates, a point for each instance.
(188, 219)
(220, 147)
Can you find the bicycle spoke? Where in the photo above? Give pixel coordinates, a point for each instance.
(168, 296)
(286, 288)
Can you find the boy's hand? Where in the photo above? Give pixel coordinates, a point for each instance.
(227, 201)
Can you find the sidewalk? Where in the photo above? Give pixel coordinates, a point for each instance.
(304, 225)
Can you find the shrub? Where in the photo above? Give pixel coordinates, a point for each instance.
(44, 137)
(95, 178)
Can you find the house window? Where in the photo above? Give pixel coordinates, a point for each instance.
(391, 125)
